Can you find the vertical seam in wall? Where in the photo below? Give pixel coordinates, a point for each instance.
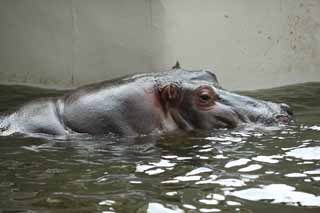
(149, 30)
(73, 39)
(149, 6)
(150, 13)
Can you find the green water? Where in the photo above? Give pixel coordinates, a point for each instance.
(240, 170)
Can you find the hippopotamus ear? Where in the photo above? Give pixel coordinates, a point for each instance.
(169, 92)
(176, 66)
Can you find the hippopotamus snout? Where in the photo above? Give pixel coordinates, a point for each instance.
(286, 110)
(273, 113)
(281, 114)
(251, 110)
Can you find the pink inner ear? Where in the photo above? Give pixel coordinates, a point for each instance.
(169, 92)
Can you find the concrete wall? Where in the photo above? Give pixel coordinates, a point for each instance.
(250, 44)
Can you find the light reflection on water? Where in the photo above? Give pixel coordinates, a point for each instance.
(246, 169)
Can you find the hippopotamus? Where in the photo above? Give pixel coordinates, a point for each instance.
(147, 103)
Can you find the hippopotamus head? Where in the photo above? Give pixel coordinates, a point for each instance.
(201, 103)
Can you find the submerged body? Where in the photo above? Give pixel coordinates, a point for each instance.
(143, 104)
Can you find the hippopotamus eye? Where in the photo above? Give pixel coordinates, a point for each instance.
(205, 96)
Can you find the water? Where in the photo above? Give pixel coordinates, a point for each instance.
(240, 170)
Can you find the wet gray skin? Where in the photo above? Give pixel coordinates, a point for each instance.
(144, 104)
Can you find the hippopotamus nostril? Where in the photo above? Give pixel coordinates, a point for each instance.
(286, 108)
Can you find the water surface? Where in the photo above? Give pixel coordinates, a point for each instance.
(240, 170)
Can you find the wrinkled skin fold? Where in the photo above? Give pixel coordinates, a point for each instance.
(144, 104)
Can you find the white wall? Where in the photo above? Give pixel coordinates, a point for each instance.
(249, 43)
(72, 42)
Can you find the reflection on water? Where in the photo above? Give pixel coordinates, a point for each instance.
(249, 169)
